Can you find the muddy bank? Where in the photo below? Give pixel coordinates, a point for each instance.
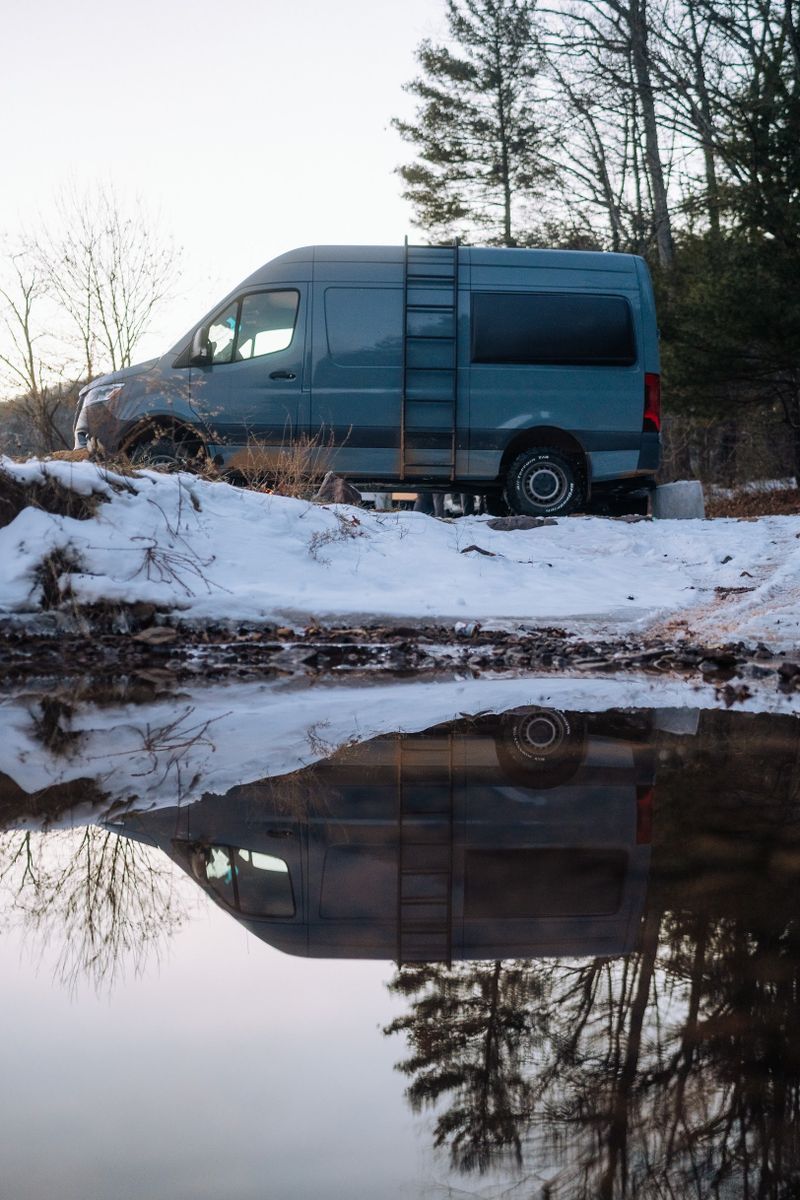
(148, 649)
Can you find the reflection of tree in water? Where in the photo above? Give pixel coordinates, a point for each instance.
(468, 1028)
(108, 902)
(674, 1072)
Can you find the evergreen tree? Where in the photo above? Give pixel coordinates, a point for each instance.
(479, 129)
(469, 1027)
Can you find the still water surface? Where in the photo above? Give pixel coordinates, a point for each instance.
(538, 952)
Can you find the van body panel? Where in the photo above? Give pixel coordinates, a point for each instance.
(649, 324)
(357, 373)
(362, 365)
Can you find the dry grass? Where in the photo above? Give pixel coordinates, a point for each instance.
(48, 576)
(296, 469)
(778, 502)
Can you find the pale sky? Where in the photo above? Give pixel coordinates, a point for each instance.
(251, 127)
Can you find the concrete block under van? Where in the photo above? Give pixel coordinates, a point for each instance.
(528, 375)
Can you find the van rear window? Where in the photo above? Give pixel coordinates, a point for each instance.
(552, 327)
(543, 882)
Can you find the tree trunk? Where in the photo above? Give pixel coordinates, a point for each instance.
(637, 23)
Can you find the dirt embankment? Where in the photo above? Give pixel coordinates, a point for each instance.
(744, 504)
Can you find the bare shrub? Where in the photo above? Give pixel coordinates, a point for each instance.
(345, 529)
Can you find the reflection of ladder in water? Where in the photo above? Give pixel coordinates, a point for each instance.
(425, 849)
(430, 376)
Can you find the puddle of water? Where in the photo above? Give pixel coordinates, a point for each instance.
(267, 944)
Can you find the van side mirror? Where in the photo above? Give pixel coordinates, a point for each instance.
(201, 349)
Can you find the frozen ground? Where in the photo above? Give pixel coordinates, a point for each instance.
(212, 737)
(211, 552)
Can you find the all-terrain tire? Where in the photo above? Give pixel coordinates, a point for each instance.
(165, 454)
(543, 483)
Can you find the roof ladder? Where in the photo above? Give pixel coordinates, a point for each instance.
(425, 853)
(430, 366)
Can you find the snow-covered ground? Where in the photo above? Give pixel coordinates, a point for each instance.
(211, 552)
(213, 737)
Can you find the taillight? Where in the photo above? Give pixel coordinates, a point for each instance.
(652, 404)
(644, 815)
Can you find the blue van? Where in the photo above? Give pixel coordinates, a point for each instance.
(528, 375)
(521, 834)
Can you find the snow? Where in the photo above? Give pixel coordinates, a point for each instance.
(212, 737)
(211, 552)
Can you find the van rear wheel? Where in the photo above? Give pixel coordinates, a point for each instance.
(543, 483)
(541, 747)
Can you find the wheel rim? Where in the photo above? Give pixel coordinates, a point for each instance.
(541, 735)
(160, 460)
(545, 484)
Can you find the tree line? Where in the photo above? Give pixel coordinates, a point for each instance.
(666, 128)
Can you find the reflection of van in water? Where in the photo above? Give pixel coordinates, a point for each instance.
(525, 834)
(533, 373)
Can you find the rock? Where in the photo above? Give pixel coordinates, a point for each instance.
(466, 629)
(789, 677)
(681, 501)
(718, 665)
(733, 693)
(508, 524)
(335, 490)
(156, 635)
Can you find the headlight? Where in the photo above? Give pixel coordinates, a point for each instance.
(102, 394)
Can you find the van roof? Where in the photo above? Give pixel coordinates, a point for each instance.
(488, 256)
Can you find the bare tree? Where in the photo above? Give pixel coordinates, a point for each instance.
(107, 902)
(613, 147)
(26, 353)
(108, 270)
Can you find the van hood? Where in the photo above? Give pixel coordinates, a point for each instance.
(118, 376)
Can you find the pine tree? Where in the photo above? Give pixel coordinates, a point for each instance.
(469, 1029)
(479, 129)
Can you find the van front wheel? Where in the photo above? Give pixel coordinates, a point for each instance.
(543, 483)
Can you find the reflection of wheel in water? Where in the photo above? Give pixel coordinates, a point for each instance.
(541, 747)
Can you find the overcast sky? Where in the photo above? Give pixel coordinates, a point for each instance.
(251, 127)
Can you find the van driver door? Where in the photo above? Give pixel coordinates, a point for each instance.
(250, 392)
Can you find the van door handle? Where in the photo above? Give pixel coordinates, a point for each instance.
(282, 375)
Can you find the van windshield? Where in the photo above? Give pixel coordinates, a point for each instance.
(249, 881)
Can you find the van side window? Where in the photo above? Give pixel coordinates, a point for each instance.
(569, 329)
(364, 326)
(257, 324)
(266, 323)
